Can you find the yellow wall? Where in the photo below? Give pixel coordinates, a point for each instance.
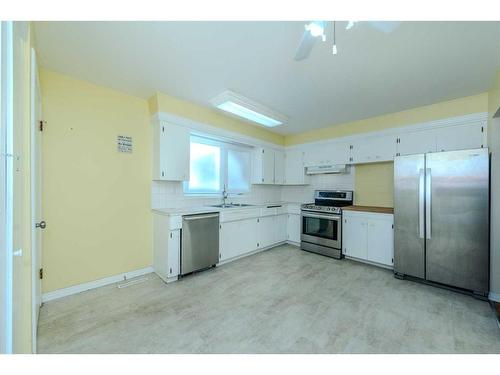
(456, 107)
(374, 184)
(165, 103)
(96, 201)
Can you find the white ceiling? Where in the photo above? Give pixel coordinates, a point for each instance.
(374, 73)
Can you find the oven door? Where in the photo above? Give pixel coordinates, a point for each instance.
(321, 229)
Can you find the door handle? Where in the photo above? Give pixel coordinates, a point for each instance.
(421, 202)
(42, 224)
(428, 204)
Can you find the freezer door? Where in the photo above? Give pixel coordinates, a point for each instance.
(409, 254)
(457, 219)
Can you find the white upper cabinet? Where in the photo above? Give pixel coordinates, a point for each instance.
(294, 167)
(418, 142)
(170, 152)
(279, 167)
(460, 137)
(339, 153)
(373, 149)
(263, 166)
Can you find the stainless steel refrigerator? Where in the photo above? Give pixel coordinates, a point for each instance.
(441, 218)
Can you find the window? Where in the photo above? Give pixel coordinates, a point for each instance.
(215, 164)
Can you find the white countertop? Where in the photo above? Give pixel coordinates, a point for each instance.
(205, 209)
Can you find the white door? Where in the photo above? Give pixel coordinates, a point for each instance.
(266, 229)
(174, 251)
(355, 236)
(237, 238)
(279, 167)
(419, 142)
(293, 228)
(36, 195)
(268, 166)
(280, 233)
(340, 153)
(461, 137)
(374, 149)
(294, 167)
(380, 237)
(174, 152)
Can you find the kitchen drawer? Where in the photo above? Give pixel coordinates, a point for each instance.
(269, 211)
(229, 215)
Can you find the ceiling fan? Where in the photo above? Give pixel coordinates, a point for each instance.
(316, 29)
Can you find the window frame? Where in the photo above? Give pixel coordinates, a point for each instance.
(224, 146)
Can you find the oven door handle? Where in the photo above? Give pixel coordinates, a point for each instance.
(327, 217)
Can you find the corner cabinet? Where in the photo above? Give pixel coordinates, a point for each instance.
(368, 237)
(170, 152)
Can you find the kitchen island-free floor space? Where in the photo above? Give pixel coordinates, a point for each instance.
(280, 301)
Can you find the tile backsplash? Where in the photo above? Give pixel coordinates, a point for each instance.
(170, 194)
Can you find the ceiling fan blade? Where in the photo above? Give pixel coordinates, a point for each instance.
(305, 46)
(385, 26)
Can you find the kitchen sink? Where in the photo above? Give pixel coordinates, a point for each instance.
(231, 205)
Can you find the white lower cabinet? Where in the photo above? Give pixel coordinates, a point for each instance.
(369, 237)
(166, 247)
(280, 228)
(293, 228)
(265, 229)
(354, 236)
(237, 238)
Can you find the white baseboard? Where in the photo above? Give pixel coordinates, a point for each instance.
(494, 297)
(64, 292)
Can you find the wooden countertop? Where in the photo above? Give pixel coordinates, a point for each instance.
(380, 210)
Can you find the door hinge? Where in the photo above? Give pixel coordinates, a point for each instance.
(170, 234)
(40, 126)
(482, 129)
(170, 270)
(40, 274)
(163, 129)
(392, 226)
(392, 260)
(163, 174)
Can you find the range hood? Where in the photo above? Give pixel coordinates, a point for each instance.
(326, 168)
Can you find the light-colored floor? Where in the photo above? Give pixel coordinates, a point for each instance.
(280, 301)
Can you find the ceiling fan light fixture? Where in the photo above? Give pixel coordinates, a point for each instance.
(316, 28)
(350, 25)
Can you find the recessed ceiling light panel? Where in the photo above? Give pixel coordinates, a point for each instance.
(238, 105)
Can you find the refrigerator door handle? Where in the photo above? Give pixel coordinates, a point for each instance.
(428, 204)
(421, 202)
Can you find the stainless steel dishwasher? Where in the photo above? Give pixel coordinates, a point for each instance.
(200, 242)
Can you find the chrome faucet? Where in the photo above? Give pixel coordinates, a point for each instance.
(224, 195)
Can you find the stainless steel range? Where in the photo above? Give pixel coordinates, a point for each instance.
(322, 222)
